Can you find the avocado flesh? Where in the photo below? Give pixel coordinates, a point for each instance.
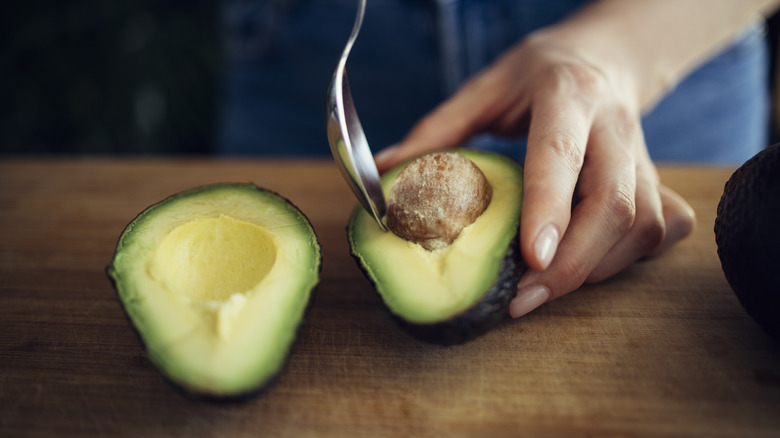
(425, 288)
(216, 281)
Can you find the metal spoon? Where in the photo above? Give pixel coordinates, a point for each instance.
(347, 140)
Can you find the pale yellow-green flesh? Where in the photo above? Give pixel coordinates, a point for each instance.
(216, 284)
(430, 286)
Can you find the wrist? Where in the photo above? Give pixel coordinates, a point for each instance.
(645, 48)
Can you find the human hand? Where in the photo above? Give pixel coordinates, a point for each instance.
(592, 203)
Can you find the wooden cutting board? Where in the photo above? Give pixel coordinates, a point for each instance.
(662, 349)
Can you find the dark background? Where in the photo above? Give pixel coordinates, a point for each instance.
(109, 77)
(117, 77)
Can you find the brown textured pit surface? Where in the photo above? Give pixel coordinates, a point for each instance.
(435, 197)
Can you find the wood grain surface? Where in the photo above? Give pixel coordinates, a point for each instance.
(663, 349)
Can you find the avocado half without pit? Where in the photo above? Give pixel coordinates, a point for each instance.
(216, 281)
(445, 286)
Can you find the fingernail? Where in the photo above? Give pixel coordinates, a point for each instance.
(545, 245)
(528, 299)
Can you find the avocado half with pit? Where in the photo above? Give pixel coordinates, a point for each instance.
(216, 281)
(455, 294)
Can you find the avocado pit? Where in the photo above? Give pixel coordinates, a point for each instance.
(435, 197)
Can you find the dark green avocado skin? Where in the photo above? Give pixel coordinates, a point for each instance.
(478, 319)
(252, 393)
(747, 234)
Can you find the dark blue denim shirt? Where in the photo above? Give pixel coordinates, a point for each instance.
(412, 54)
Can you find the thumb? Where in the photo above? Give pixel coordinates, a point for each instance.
(449, 125)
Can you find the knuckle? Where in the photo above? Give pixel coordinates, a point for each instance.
(621, 207)
(684, 223)
(626, 123)
(567, 148)
(651, 232)
(578, 79)
(681, 221)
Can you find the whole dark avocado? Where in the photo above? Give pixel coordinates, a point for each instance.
(747, 233)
